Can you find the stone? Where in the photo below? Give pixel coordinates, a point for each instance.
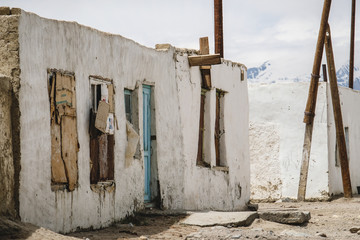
(15, 11)
(321, 235)
(293, 233)
(288, 217)
(4, 11)
(143, 237)
(252, 206)
(232, 219)
(355, 229)
(238, 236)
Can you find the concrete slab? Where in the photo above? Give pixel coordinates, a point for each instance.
(207, 219)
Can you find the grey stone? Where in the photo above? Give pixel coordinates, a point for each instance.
(207, 219)
(293, 233)
(354, 229)
(288, 217)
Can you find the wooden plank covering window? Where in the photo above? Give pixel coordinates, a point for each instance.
(217, 129)
(69, 149)
(64, 139)
(199, 160)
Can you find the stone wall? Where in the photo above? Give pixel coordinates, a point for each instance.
(9, 110)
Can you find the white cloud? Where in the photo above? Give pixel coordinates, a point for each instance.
(284, 31)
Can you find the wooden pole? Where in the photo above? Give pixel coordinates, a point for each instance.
(352, 45)
(340, 136)
(311, 101)
(324, 72)
(218, 18)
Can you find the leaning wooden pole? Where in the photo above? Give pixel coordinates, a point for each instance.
(219, 34)
(352, 45)
(340, 136)
(311, 101)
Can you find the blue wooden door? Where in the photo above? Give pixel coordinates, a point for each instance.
(147, 138)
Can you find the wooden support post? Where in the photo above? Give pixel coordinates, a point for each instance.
(324, 72)
(218, 18)
(352, 45)
(340, 136)
(204, 46)
(311, 102)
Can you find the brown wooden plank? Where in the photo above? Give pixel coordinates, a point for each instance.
(204, 60)
(204, 46)
(206, 78)
(311, 101)
(217, 129)
(69, 146)
(352, 45)
(218, 32)
(111, 98)
(58, 174)
(111, 145)
(199, 158)
(340, 136)
(94, 161)
(103, 156)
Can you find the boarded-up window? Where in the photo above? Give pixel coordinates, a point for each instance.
(200, 161)
(219, 130)
(128, 105)
(64, 140)
(101, 130)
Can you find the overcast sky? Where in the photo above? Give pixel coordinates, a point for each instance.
(282, 31)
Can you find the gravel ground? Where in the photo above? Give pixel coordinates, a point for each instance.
(329, 220)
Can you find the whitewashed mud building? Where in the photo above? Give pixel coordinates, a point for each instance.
(94, 126)
(277, 138)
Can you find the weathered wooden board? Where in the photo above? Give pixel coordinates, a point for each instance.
(69, 148)
(102, 116)
(204, 60)
(58, 174)
(103, 156)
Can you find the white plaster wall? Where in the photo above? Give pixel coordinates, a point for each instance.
(69, 46)
(351, 119)
(277, 137)
(207, 188)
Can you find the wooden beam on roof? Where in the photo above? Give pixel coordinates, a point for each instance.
(204, 46)
(201, 60)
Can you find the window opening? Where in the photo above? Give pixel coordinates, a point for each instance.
(101, 130)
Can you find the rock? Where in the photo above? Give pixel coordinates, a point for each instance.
(252, 207)
(354, 229)
(358, 232)
(321, 235)
(238, 236)
(230, 219)
(143, 237)
(288, 217)
(4, 11)
(293, 233)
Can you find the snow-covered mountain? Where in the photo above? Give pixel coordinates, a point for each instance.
(267, 73)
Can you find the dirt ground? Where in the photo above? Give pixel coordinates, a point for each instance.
(331, 219)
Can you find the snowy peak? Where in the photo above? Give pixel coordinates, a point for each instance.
(267, 73)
